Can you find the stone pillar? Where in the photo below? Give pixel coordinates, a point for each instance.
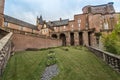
(101, 46)
(58, 35)
(85, 38)
(92, 39)
(68, 38)
(95, 42)
(76, 38)
(1, 12)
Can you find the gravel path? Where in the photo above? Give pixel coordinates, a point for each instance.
(50, 72)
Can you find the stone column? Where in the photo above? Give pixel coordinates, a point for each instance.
(76, 38)
(92, 39)
(85, 38)
(58, 35)
(68, 38)
(1, 12)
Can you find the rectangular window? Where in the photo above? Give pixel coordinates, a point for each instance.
(106, 26)
(79, 21)
(55, 28)
(21, 28)
(64, 27)
(6, 24)
(72, 26)
(78, 25)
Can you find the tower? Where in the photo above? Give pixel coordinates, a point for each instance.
(1, 11)
(39, 22)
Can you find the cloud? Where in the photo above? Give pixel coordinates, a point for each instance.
(28, 10)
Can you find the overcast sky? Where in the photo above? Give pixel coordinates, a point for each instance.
(28, 10)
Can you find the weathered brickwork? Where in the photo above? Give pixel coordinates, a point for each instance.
(23, 42)
(99, 9)
(84, 28)
(1, 12)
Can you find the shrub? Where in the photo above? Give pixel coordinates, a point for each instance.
(51, 59)
(112, 41)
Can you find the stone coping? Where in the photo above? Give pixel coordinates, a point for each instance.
(110, 54)
(4, 40)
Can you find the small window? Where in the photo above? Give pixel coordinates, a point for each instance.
(21, 28)
(78, 25)
(79, 21)
(106, 26)
(72, 26)
(54, 27)
(6, 24)
(64, 27)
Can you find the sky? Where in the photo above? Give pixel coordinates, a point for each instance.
(28, 10)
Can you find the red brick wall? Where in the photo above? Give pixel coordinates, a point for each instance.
(22, 42)
(83, 22)
(1, 12)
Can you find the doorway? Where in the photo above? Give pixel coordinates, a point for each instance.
(63, 38)
(80, 38)
(72, 39)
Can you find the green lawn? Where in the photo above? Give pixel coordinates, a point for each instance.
(74, 64)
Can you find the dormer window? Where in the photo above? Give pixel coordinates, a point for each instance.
(45, 26)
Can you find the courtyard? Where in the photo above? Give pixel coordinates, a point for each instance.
(74, 63)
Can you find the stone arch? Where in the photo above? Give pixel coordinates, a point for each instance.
(63, 38)
(54, 36)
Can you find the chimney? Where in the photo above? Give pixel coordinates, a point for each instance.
(60, 19)
(111, 3)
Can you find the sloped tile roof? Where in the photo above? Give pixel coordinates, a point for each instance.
(19, 22)
(58, 23)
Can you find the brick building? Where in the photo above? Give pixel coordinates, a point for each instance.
(87, 27)
(18, 26)
(1, 11)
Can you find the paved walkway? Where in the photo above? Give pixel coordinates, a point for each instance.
(50, 72)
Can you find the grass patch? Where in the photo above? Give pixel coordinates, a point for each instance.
(27, 65)
(75, 64)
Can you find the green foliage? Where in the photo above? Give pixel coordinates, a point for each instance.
(64, 48)
(51, 59)
(98, 34)
(73, 65)
(112, 41)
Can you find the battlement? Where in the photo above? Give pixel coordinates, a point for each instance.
(99, 9)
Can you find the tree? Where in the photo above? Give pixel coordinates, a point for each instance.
(112, 41)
